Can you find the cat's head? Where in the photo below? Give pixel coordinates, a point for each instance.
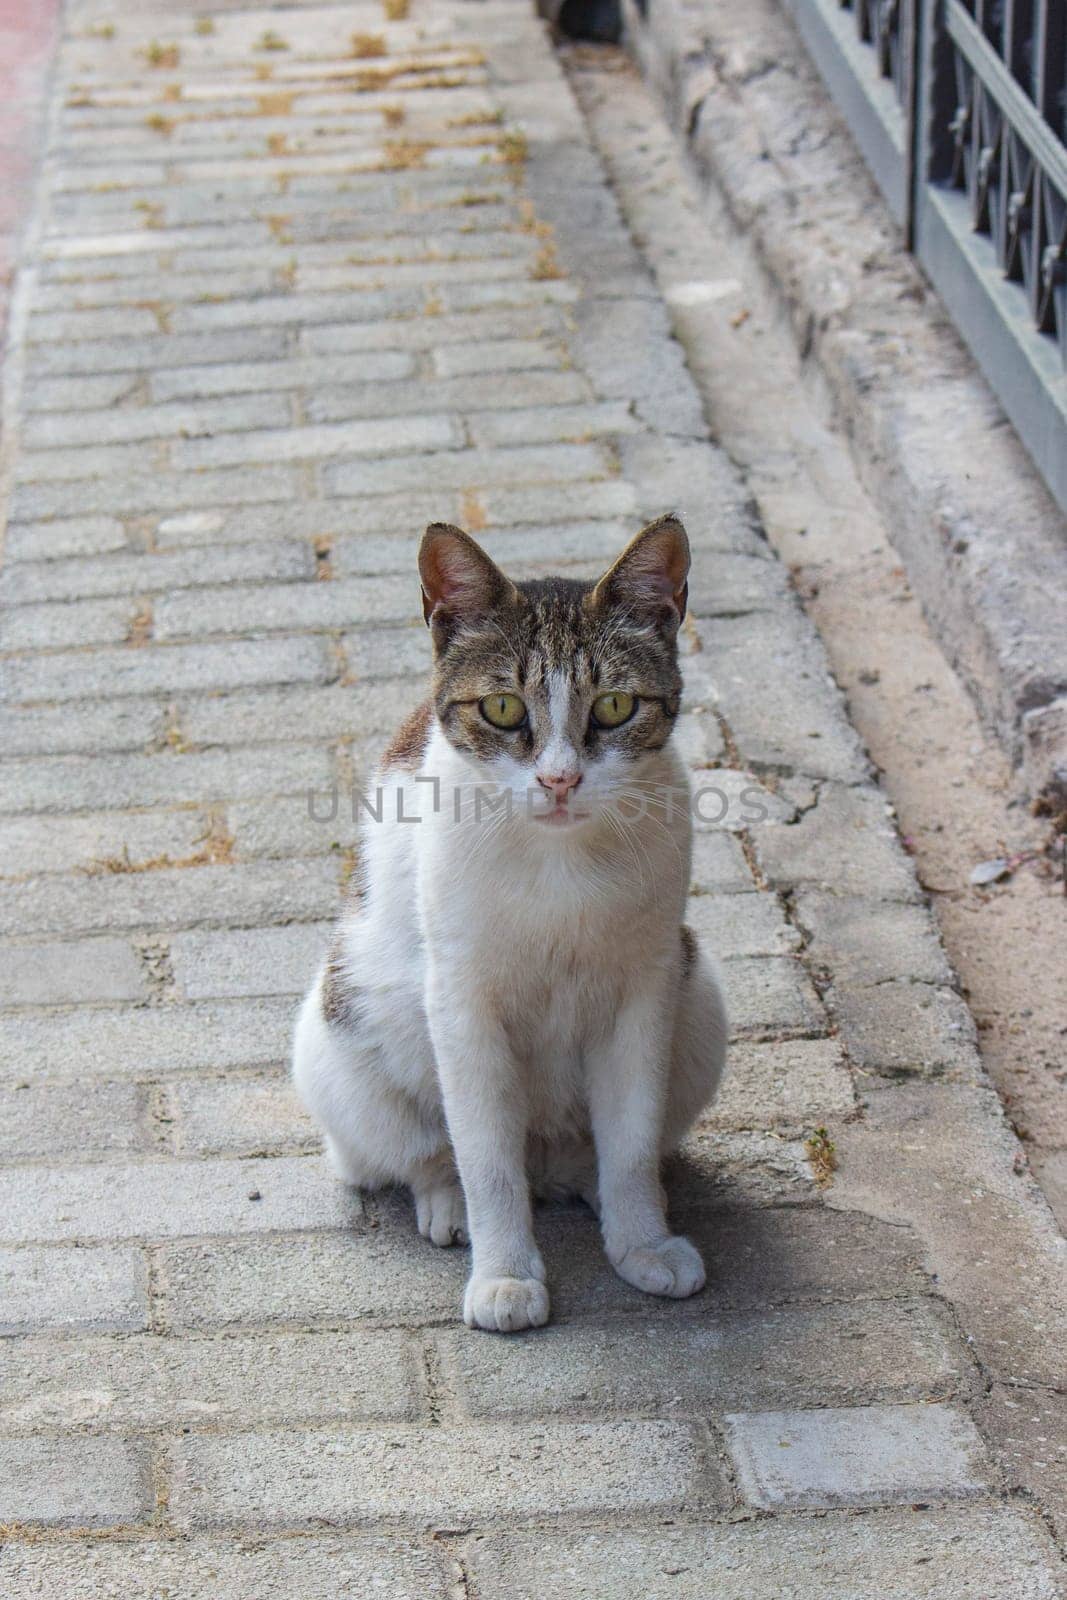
(556, 689)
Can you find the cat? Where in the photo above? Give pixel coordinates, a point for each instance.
(512, 1001)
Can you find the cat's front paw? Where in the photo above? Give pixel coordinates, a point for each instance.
(504, 1305)
(673, 1268)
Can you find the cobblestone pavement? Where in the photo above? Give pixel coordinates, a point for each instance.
(307, 278)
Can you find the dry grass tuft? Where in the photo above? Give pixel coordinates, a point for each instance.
(140, 626)
(204, 26)
(472, 513)
(274, 105)
(545, 265)
(393, 116)
(160, 124)
(271, 41)
(513, 147)
(822, 1153)
(471, 197)
(162, 55)
(396, 10)
(278, 144)
(366, 45)
(151, 212)
(477, 119)
(400, 154)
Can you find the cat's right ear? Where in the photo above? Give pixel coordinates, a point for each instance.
(458, 578)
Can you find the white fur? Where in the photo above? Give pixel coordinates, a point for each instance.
(519, 987)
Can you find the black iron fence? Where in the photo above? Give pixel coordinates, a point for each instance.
(960, 108)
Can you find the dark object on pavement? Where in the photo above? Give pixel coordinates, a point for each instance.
(598, 20)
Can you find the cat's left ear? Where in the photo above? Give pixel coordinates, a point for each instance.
(651, 574)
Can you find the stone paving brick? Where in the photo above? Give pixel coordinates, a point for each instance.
(315, 1568)
(475, 393)
(469, 469)
(740, 925)
(792, 1082)
(902, 1030)
(154, 1382)
(544, 424)
(865, 942)
(859, 1456)
(71, 536)
(169, 897)
(124, 839)
(64, 429)
(228, 281)
(390, 653)
(101, 1289)
(75, 783)
(548, 502)
(768, 994)
(79, 1483)
(719, 865)
(87, 726)
(289, 826)
(495, 355)
(800, 724)
(75, 326)
(1013, 1420)
(846, 839)
(66, 974)
(65, 394)
(149, 573)
(244, 1117)
(41, 468)
(432, 333)
(289, 1480)
(313, 373)
(698, 739)
(952, 1553)
(283, 606)
(52, 627)
(143, 491)
(322, 712)
(821, 1355)
(746, 1167)
(94, 357)
(147, 1043)
(375, 437)
(232, 665)
(702, 485)
(42, 1121)
(253, 961)
(168, 1199)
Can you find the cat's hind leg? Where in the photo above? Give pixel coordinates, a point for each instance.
(369, 1083)
(698, 1055)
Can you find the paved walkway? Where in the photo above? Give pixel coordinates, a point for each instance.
(306, 279)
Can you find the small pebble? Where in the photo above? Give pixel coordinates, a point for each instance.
(254, 1194)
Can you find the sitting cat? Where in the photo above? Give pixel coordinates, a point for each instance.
(512, 1001)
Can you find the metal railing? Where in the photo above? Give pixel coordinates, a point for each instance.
(960, 109)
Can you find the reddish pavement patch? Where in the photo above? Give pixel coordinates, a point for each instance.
(28, 31)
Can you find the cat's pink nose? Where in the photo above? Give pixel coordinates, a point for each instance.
(561, 784)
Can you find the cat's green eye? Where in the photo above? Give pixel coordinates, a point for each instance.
(503, 710)
(612, 710)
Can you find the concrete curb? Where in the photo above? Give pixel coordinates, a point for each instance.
(984, 545)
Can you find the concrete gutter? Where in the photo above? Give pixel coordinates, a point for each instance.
(983, 542)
